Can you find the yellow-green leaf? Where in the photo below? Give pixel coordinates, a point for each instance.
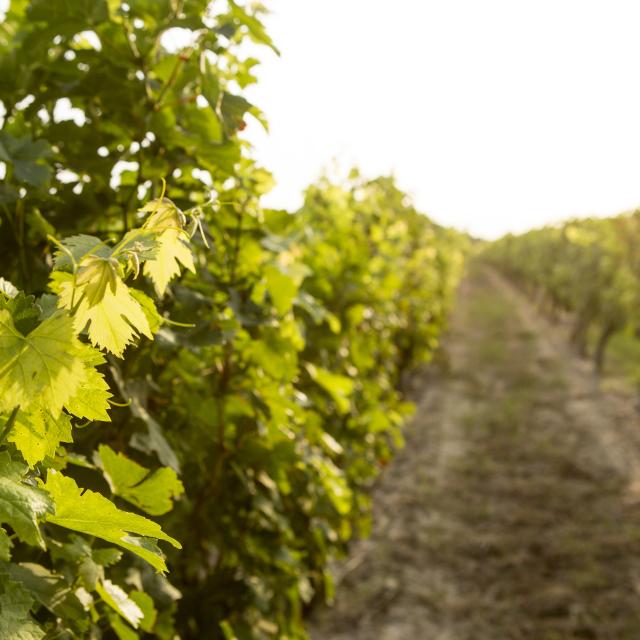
(120, 602)
(38, 433)
(91, 513)
(91, 401)
(151, 491)
(340, 388)
(42, 369)
(16, 622)
(172, 249)
(281, 287)
(114, 320)
(21, 505)
(171, 253)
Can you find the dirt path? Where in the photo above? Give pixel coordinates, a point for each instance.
(514, 510)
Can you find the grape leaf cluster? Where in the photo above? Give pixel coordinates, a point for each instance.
(198, 372)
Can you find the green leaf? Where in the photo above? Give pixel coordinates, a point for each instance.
(71, 15)
(204, 125)
(27, 158)
(218, 157)
(52, 591)
(150, 491)
(145, 602)
(138, 241)
(111, 314)
(256, 28)
(16, 622)
(340, 388)
(24, 312)
(5, 545)
(37, 434)
(42, 369)
(335, 484)
(153, 441)
(210, 85)
(21, 505)
(150, 310)
(93, 514)
(91, 400)
(233, 109)
(120, 602)
(106, 557)
(75, 248)
(122, 630)
(172, 251)
(46, 369)
(87, 562)
(165, 266)
(281, 287)
(95, 276)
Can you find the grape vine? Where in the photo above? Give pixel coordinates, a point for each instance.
(587, 269)
(196, 393)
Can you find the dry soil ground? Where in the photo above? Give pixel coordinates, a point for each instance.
(514, 510)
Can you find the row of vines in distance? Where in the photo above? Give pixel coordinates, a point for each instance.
(196, 393)
(588, 269)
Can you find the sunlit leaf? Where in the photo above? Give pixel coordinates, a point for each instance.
(151, 491)
(93, 514)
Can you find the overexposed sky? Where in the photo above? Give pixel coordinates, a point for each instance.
(496, 115)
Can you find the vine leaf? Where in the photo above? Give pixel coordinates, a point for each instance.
(172, 249)
(150, 491)
(153, 441)
(28, 158)
(42, 372)
(5, 545)
(145, 602)
(149, 308)
(37, 434)
(42, 369)
(120, 602)
(20, 504)
(340, 388)
(24, 312)
(281, 287)
(91, 400)
(88, 562)
(53, 592)
(113, 315)
(16, 622)
(76, 248)
(95, 515)
(256, 28)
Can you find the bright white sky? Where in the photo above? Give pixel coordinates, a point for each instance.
(497, 115)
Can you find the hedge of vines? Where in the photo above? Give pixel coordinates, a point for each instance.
(587, 268)
(196, 393)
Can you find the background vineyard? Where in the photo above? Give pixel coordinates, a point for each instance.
(585, 271)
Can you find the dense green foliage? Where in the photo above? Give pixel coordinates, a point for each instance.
(195, 371)
(588, 268)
